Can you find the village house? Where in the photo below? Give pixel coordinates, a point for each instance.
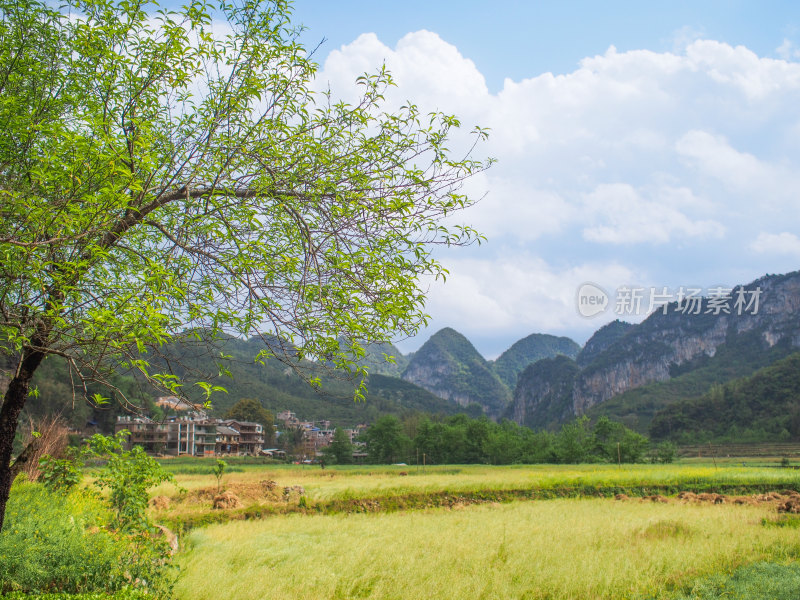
(150, 435)
(251, 436)
(227, 441)
(288, 418)
(193, 435)
(188, 431)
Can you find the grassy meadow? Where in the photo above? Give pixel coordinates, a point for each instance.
(569, 548)
(346, 482)
(319, 545)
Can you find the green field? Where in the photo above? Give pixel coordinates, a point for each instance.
(580, 548)
(387, 481)
(568, 546)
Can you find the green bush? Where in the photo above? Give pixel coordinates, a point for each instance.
(127, 474)
(760, 581)
(56, 542)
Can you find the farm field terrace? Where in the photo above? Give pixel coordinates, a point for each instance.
(562, 548)
(344, 483)
(473, 531)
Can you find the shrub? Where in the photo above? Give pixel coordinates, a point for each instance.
(58, 542)
(62, 474)
(218, 471)
(127, 594)
(128, 475)
(760, 581)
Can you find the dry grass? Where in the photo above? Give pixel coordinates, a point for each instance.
(552, 549)
(51, 438)
(367, 482)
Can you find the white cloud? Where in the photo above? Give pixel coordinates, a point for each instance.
(685, 36)
(517, 293)
(776, 243)
(741, 68)
(513, 210)
(738, 171)
(630, 152)
(622, 215)
(427, 70)
(788, 50)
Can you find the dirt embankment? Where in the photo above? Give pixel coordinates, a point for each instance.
(262, 499)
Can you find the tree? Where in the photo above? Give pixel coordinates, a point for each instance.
(614, 442)
(386, 442)
(248, 409)
(127, 474)
(340, 450)
(163, 181)
(428, 441)
(574, 442)
(218, 471)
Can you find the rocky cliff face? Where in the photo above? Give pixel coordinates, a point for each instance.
(543, 396)
(450, 367)
(664, 343)
(604, 337)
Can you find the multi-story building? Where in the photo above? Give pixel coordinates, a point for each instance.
(177, 436)
(251, 435)
(227, 441)
(194, 434)
(196, 437)
(288, 418)
(150, 435)
(355, 432)
(206, 438)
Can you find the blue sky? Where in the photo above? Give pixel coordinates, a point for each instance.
(519, 38)
(639, 144)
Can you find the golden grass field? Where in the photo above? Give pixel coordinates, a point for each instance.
(559, 548)
(575, 548)
(366, 482)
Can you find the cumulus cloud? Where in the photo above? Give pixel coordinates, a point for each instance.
(738, 171)
(623, 215)
(788, 50)
(428, 71)
(742, 69)
(625, 159)
(518, 293)
(776, 243)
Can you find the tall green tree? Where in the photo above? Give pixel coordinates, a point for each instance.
(386, 441)
(574, 442)
(165, 178)
(248, 409)
(340, 450)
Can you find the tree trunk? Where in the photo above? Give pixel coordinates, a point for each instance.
(24, 457)
(13, 401)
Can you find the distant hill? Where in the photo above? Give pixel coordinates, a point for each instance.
(527, 351)
(449, 366)
(762, 407)
(630, 372)
(376, 360)
(604, 337)
(543, 396)
(741, 356)
(278, 387)
(273, 383)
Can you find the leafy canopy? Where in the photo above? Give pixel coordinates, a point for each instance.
(166, 173)
(249, 409)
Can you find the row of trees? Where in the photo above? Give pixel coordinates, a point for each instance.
(462, 440)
